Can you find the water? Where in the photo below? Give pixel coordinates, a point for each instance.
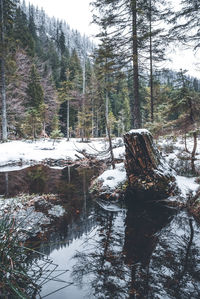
(143, 251)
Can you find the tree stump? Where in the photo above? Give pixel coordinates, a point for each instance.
(149, 176)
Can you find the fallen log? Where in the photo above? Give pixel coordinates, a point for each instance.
(149, 176)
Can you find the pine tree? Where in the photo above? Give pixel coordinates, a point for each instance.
(124, 19)
(186, 23)
(34, 90)
(105, 67)
(65, 95)
(158, 40)
(21, 32)
(6, 22)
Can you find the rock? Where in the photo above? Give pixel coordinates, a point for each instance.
(149, 176)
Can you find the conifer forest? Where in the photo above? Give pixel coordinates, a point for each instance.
(99, 151)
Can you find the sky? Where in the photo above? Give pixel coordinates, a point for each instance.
(78, 15)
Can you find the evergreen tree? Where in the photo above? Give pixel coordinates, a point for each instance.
(120, 15)
(105, 68)
(6, 22)
(21, 32)
(158, 39)
(186, 23)
(61, 43)
(65, 95)
(75, 70)
(31, 23)
(34, 90)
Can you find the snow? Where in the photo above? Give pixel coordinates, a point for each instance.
(173, 149)
(186, 185)
(12, 168)
(113, 178)
(56, 211)
(139, 131)
(28, 152)
(109, 206)
(27, 221)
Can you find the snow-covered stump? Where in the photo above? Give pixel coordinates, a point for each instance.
(149, 176)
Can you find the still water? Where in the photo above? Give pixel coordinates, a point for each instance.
(142, 251)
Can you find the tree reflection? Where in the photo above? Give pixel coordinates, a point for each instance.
(102, 261)
(143, 223)
(175, 264)
(154, 257)
(37, 178)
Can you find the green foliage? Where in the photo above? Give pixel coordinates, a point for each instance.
(95, 87)
(32, 125)
(22, 32)
(56, 134)
(75, 71)
(34, 89)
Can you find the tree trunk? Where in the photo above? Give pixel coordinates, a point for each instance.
(136, 116)
(185, 143)
(110, 145)
(68, 120)
(149, 176)
(151, 64)
(106, 112)
(92, 118)
(194, 151)
(97, 125)
(3, 80)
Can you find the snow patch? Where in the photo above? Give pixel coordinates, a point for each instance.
(113, 178)
(27, 221)
(186, 185)
(139, 131)
(56, 211)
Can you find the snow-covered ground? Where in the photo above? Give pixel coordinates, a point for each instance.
(32, 152)
(173, 150)
(174, 153)
(187, 185)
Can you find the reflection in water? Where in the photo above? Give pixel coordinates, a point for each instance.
(139, 252)
(143, 224)
(154, 257)
(6, 184)
(37, 179)
(102, 261)
(175, 263)
(42, 179)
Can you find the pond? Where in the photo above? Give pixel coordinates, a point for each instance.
(142, 251)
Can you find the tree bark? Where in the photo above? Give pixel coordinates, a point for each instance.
(149, 176)
(110, 145)
(136, 115)
(151, 64)
(194, 151)
(106, 114)
(67, 120)
(3, 80)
